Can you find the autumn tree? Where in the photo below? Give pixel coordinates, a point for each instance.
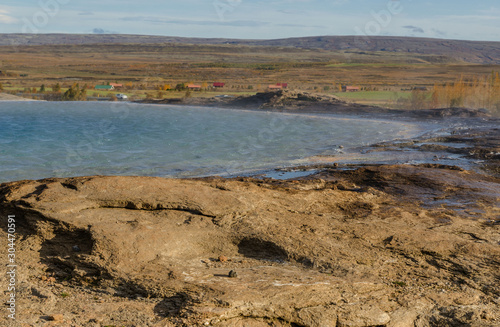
(473, 92)
(74, 93)
(418, 99)
(56, 88)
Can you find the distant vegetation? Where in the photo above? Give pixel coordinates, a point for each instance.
(74, 93)
(476, 92)
(441, 50)
(404, 77)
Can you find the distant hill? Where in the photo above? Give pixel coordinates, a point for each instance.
(467, 51)
(480, 52)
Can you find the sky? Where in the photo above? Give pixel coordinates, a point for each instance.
(256, 19)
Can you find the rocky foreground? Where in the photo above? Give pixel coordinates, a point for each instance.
(374, 246)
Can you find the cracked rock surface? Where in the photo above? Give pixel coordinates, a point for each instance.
(375, 246)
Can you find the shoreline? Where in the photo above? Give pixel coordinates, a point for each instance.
(305, 102)
(290, 102)
(450, 124)
(287, 101)
(9, 97)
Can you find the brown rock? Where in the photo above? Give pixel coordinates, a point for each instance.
(222, 258)
(173, 274)
(363, 316)
(41, 292)
(318, 317)
(51, 280)
(343, 273)
(56, 317)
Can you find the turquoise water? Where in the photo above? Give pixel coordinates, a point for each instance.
(60, 139)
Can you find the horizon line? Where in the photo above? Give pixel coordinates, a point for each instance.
(248, 39)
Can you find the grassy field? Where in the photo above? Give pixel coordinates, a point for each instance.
(377, 98)
(145, 69)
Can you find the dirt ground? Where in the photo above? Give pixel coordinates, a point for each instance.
(374, 246)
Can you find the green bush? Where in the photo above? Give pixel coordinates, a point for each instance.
(74, 93)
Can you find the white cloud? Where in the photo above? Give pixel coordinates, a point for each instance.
(490, 11)
(469, 18)
(5, 18)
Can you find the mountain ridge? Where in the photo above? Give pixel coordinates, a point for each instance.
(477, 52)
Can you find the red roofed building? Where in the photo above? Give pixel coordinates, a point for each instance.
(193, 86)
(218, 84)
(283, 85)
(115, 85)
(275, 87)
(350, 89)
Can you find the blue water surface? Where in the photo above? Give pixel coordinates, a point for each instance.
(61, 139)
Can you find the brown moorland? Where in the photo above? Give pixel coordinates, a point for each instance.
(245, 66)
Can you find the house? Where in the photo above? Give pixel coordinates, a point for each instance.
(104, 87)
(218, 84)
(191, 86)
(275, 87)
(350, 89)
(115, 85)
(283, 85)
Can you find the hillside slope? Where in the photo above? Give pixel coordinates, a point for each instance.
(467, 51)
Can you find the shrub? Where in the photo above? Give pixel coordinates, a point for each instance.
(180, 87)
(74, 93)
(56, 88)
(418, 99)
(476, 92)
